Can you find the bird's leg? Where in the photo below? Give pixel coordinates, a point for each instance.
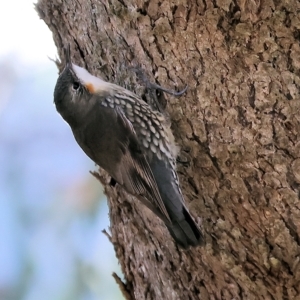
(171, 92)
(157, 100)
(142, 76)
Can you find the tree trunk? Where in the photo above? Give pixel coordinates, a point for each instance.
(237, 126)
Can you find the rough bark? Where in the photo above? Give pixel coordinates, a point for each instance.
(238, 128)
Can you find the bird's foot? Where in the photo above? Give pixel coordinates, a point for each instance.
(155, 97)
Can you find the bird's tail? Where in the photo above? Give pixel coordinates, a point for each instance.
(185, 231)
(180, 223)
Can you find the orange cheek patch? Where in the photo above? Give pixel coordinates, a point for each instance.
(90, 88)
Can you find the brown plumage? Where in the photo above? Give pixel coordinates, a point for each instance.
(133, 143)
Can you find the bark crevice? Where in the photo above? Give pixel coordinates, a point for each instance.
(238, 127)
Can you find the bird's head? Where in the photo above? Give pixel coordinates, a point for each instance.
(75, 86)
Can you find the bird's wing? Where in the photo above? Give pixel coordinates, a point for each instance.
(111, 141)
(134, 167)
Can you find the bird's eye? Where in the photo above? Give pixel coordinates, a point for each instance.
(75, 86)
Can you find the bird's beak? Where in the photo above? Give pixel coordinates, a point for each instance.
(68, 56)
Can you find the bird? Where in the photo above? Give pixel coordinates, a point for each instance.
(132, 142)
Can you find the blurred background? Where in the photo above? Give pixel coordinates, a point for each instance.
(52, 211)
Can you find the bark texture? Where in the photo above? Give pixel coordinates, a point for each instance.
(238, 128)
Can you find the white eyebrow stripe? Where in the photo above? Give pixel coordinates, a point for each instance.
(87, 79)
